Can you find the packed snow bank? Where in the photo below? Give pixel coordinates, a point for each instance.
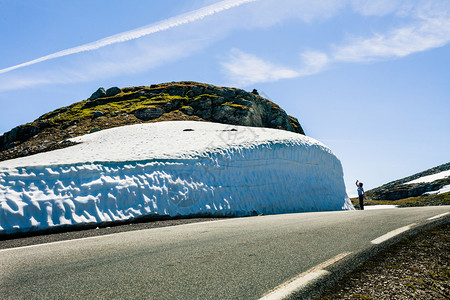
(176, 168)
(430, 178)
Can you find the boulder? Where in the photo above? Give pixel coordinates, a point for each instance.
(98, 94)
(225, 92)
(98, 114)
(148, 113)
(112, 91)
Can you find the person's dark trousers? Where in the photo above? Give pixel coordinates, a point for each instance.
(361, 202)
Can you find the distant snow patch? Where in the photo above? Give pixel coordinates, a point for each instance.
(444, 189)
(374, 207)
(430, 178)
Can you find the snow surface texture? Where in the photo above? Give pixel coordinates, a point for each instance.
(177, 168)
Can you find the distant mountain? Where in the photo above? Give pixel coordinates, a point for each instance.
(116, 107)
(401, 188)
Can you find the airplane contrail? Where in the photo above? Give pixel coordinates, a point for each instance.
(139, 32)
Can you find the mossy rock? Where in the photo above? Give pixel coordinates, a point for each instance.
(185, 100)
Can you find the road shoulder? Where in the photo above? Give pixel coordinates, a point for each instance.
(417, 267)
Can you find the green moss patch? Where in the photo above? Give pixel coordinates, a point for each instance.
(238, 106)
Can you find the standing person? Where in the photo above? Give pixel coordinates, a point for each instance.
(361, 194)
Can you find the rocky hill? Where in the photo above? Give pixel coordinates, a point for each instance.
(396, 190)
(160, 102)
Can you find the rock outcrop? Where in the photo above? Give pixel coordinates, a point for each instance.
(399, 189)
(161, 102)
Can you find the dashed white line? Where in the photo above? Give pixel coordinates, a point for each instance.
(301, 281)
(438, 216)
(392, 233)
(295, 285)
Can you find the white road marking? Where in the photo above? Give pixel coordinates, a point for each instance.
(301, 281)
(295, 285)
(392, 233)
(54, 243)
(438, 216)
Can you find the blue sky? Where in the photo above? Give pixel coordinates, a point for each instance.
(367, 78)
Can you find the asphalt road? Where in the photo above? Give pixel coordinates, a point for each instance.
(228, 259)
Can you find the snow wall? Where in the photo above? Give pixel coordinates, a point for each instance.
(259, 174)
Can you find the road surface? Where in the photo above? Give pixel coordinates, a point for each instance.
(242, 258)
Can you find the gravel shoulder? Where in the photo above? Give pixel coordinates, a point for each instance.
(415, 268)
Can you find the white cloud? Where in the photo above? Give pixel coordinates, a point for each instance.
(19, 82)
(426, 25)
(427, 34)
(145, 49)
(245, 69)
(428, 28)
(378, 7)
(270, 12)
(313, 62)
(139, 32)
(103, 63)
(266, 13)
